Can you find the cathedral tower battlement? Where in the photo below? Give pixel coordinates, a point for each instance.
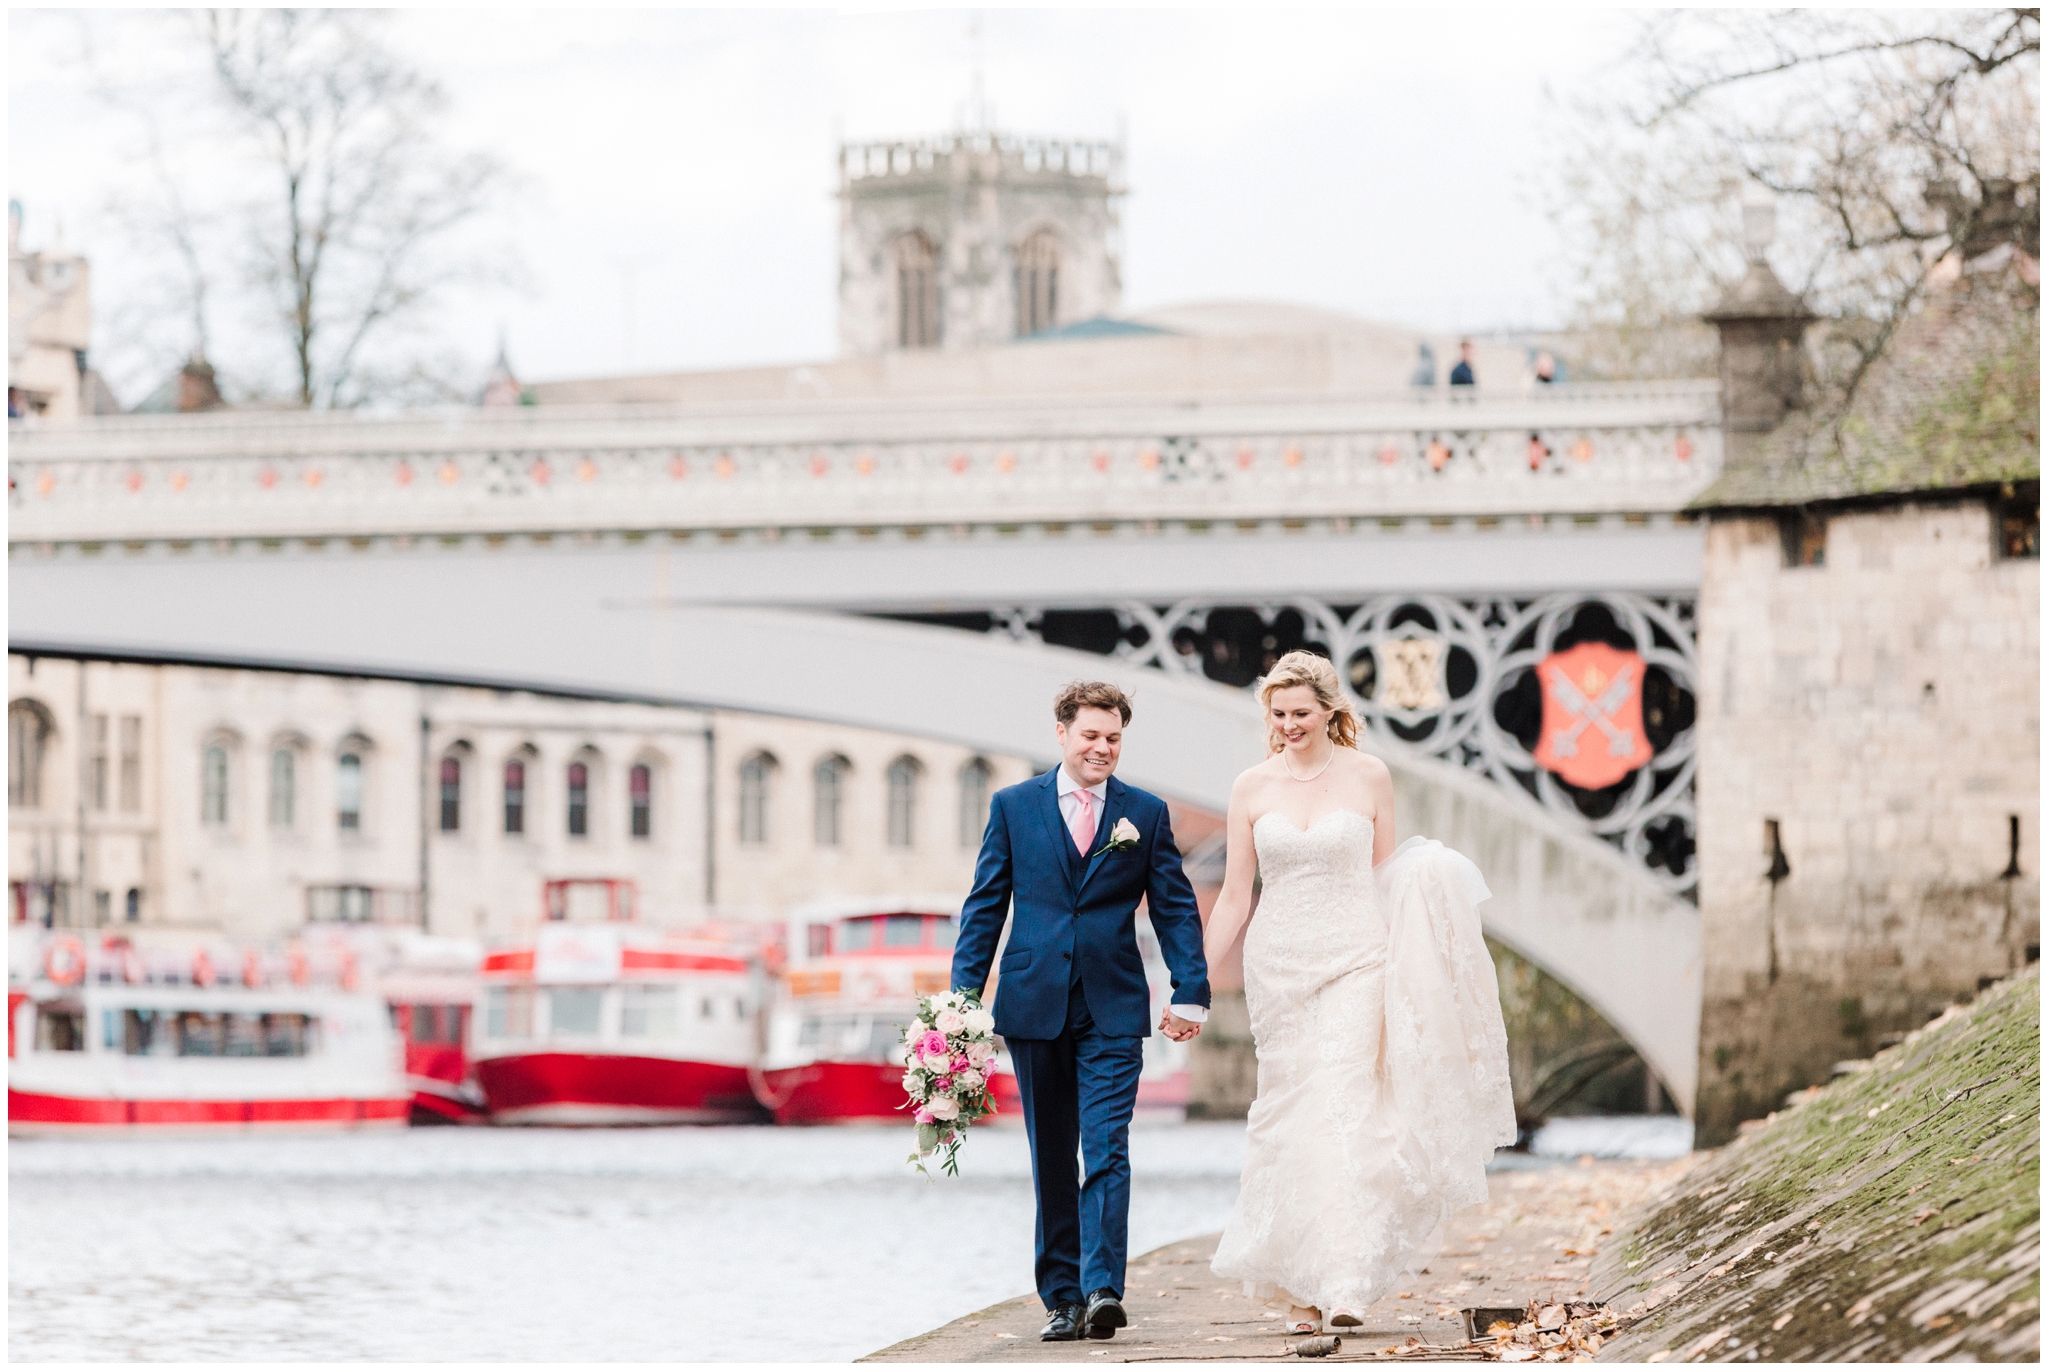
(975, 238)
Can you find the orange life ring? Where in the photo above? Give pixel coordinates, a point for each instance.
(64, 961)
(202, 968)
(252, 969)
(296, 967)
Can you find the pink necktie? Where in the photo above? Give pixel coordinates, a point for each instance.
(1084, 820)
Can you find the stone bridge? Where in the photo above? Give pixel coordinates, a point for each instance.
(1571, 905)
(822, 559)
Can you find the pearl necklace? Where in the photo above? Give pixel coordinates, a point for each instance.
(1317, 772)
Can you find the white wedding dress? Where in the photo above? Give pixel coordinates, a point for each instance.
(1383, 1070)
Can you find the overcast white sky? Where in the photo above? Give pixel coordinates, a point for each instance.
(1380, 163)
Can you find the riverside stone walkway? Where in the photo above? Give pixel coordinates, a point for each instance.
(1536, 1237)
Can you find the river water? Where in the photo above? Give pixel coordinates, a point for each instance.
(447, 1244)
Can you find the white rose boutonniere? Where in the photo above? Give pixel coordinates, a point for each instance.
(1121, 838)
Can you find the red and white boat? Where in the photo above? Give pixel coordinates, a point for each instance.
(429, 987)
(612, 1022)
(103, 1035)
(834, 1052)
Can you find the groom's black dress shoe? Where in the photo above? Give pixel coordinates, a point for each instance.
(1067, 1324)
(1105, 1314)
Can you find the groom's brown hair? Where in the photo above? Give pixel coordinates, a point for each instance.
(1076, 696)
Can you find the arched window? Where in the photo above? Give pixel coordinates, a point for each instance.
(515, 795)
(451, 794)
(579, 799)
(284, 786)
(903, 774)
(828, 799)
(757, 777)
(134, 910)
(29, 730)
(640, 799)
(975, 779)
(213, 785)
(1037, 282)
(348, 792)
(917, 291)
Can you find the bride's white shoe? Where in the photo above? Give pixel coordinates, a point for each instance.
(1344, 1318)
(1302, 1318)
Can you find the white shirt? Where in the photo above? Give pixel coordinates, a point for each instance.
(1069, 807)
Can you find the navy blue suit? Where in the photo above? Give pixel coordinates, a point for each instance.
(1073, 1005)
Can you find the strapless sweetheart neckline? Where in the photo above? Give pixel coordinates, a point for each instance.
(1277, 814)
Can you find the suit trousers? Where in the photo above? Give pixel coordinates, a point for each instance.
(1079, 1090)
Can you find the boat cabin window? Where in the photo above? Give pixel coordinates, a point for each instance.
(60, 1028)
(575, 1011)
(166, 1033)
(872, 932)
(508, 1011)
(851, 1037)
(434, 1023)
(649, 1011)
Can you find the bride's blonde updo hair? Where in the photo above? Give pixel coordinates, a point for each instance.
(1301, 668)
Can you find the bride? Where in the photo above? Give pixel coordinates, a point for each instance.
(1383, 1074)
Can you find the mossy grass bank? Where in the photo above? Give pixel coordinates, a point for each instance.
(1893, 1215)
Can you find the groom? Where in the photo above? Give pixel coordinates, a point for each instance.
(1076, 849)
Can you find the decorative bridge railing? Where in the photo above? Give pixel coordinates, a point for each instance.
(1581, 703)
(1578, 451)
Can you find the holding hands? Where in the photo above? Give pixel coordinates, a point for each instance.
(1177, 1028)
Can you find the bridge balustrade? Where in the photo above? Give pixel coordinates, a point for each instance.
(1577, 451)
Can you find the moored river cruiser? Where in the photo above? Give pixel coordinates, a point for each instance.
(834, 1052)
(612, 1022)
(103, 1035)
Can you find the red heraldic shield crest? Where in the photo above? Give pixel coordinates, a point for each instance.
(1592, 715)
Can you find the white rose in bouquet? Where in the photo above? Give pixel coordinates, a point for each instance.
(944, 1108)
(913, 1081)
(967, 1082)
(938, 1063)
(981, 1054)
(950, 1021)
(980, 1021)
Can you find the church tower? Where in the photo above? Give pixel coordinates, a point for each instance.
(975, 238)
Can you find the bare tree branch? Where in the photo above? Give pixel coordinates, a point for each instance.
(1883, 134)
(344, 223)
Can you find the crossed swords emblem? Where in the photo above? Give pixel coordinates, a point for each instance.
(1594, 713)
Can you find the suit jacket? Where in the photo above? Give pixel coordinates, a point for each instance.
(1074, 915)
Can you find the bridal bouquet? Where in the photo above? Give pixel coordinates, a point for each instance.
(949, 1050)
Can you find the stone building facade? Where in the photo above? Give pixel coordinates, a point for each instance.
(248, 802)
(1869, 724)
(49, 329)
(975, 238)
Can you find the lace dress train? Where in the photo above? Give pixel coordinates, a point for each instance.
(1382, 1063)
